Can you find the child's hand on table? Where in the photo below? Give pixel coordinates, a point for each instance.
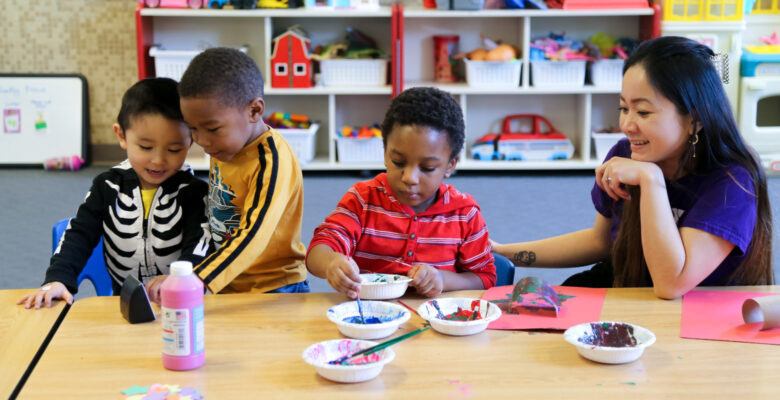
(153, 288)
(426, 279)
(343, 275)
(44, 295)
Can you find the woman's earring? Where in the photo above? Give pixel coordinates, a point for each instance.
(693, 142)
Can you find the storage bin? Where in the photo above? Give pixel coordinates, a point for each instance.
(302, 142)
(460, 4)
(359, 150)
(607, 73)
(558, 74)
(493, 73)
(173, 63)
(603, 142)
(343, 72)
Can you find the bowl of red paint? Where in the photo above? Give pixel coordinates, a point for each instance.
(610, 342)
(323, 356)
(459, 316)
(380, 319)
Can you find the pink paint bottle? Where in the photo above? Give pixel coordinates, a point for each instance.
(181, 296)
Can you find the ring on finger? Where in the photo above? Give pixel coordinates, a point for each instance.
(609, 179)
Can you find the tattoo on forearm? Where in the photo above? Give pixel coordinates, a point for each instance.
(524, 258)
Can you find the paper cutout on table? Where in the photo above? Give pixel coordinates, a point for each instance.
(577, 305)
(159, 391)
(530, 292)
(765, 309)
(716, 315)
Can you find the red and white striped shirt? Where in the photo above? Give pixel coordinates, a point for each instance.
(383, 235)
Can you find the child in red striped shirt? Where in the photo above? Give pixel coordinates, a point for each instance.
(406, 221)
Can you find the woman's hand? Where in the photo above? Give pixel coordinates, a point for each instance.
(619, 171)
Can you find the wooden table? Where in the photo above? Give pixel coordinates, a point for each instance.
(22, 332)
(254, 345)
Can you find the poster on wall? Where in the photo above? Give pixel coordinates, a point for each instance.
(44, 116)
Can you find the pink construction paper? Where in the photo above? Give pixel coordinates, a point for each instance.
(584, 306)
(718, 316)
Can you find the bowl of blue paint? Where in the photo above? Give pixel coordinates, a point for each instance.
(380, 319)
(383, 286)
(459, 316)
(324, 356)
(610, 342)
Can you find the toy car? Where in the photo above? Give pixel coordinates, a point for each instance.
(173, 3)
(543, 143)
(240, 4)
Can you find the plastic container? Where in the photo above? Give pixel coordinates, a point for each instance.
(604, 142)
(397, 315)
(173, 63)
(301, 141)
(319, 354)
(579, 336)
(607, 73)
(460, 4)
(343, 72)
(558, 74)
(490, 312)
(493, 73)
(182, 318)
(360, 150)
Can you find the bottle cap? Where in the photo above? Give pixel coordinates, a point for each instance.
(181, 268)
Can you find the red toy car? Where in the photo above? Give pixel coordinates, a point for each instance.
(544, 142)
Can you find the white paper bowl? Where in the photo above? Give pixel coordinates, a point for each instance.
(459, 328)
(394, 288)
(379, 309)
(581, 337)
(319, 354)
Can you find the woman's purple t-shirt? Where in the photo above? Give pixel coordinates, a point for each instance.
(722, 205)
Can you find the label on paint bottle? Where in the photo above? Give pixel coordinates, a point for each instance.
(176, 331)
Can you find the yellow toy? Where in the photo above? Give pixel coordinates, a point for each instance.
(703, 10)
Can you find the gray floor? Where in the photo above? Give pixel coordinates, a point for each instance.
(517, 206)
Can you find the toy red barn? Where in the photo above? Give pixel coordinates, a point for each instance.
(290, 60)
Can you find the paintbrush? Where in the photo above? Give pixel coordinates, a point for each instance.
(360, 310)
(410, 308)
(438, 310)
(377, 347)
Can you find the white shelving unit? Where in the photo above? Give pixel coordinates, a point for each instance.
(573, 111)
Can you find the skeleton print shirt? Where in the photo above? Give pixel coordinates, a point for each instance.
(177, 228)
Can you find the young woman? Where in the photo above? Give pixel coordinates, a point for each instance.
(682, 201)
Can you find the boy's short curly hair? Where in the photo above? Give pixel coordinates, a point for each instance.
(429, 107)
(225, 73)
(150, 96)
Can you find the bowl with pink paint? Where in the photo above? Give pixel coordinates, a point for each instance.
(380, 319)
(459, 316)
(383, 286)
(322, 355)
(610, 342)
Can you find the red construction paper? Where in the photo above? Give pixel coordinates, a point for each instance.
(584, 305)
(718, 316)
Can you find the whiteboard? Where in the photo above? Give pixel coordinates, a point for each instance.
(44, 116)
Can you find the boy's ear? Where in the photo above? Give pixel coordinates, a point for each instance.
(451, 166)
(255, 110)
(120, 135)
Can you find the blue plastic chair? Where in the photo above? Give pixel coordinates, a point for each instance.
(95, 270)
(505, 270)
